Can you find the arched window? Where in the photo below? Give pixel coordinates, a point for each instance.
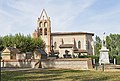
(45, 24)
(79, 44)
(40, 24)
(45, 31)
(40, 31)
(55, 45)
(88, 44)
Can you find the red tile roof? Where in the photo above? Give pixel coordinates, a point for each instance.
(71, 33)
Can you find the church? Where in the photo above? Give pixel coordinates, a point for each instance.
(75, 43)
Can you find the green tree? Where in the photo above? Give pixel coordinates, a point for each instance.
(97, 45)
(113, 44)
(23, 43)
(1, 44)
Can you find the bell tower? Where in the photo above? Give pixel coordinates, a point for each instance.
(44, 30)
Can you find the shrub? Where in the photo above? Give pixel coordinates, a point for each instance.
(118, 60)
(83, 56)
(96, 58)
(92, 57)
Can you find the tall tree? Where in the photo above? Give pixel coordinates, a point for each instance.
(1, 43)
(23, 43)
(113, 44)
(97, 45)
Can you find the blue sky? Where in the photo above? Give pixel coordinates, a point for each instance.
(95, 16)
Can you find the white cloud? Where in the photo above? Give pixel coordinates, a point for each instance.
(21, 16)
(68, 13)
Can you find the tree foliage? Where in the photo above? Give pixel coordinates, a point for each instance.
(23, 43)
(113, 44)
(1, 43)
(97, 45)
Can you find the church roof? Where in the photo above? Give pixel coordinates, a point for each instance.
(71, 33)
(11, 49)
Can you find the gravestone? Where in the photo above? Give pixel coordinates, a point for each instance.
(66, 55)
(104, 56)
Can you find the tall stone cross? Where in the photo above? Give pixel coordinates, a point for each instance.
(52, 47)
(52, 51)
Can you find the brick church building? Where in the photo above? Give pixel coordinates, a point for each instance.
(74, 42)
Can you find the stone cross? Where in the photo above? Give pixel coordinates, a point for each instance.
(52, 51)
(52, 46)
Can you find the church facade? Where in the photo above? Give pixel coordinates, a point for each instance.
(75, 43)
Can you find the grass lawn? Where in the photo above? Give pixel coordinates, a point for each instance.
(59, 75)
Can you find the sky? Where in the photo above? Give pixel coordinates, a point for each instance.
(94, 16)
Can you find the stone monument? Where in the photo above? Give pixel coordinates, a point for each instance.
(104, 56)
(52, 54)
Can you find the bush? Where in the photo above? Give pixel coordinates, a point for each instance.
(96, 58)
(83, 56)
(118, 60)
(92, 57)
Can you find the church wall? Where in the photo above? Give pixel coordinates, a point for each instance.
(91, 42)
(68, 39)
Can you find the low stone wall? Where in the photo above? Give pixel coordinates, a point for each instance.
(80, 63)
(19, 63)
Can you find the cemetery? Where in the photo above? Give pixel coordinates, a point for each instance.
(43, 61)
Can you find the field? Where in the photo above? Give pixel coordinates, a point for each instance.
(59, 75)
